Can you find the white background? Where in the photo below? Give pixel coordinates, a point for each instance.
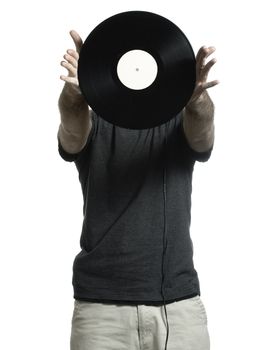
(41, 200)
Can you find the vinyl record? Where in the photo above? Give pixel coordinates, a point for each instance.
(136, 70)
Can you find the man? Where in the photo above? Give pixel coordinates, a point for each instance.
(117, 274)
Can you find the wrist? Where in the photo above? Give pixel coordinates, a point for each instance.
(72, 90)
(197, 102)
(201, 107)
(71, 97)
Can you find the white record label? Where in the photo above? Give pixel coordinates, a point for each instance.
(137, 69)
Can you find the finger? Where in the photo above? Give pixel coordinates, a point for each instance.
(73, 53)
(208, 52)
(200, 87)
(200, 53)
(71, 80)
(204, 53)
(210, 84)
(71, 60)
(69, 67)
(199, 61)
(77, 40)
(206, 69)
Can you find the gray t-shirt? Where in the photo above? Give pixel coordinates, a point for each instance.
(121, 176)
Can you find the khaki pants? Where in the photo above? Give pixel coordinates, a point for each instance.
(97, 326)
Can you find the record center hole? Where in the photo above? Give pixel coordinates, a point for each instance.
(137, 69)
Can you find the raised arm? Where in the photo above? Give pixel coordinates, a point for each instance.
(198, 115)
(75, 122)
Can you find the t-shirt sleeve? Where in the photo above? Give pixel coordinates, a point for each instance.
(71, 157)
(197, 156)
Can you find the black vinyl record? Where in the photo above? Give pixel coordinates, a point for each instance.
(142, 108)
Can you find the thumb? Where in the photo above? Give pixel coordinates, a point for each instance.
(76, 39)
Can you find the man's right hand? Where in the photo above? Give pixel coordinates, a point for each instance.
(71, 64)
(76, 122)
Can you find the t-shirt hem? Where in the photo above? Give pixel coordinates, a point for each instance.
(133, 299)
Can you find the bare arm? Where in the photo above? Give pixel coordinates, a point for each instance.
(198, 123)
(75, 122)
(198, 115)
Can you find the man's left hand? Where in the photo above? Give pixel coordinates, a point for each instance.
(202, 71)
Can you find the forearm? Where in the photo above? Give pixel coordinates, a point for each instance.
(198, 123)
(74, 112)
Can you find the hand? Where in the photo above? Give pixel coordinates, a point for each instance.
(71, 63)
(202, 71)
